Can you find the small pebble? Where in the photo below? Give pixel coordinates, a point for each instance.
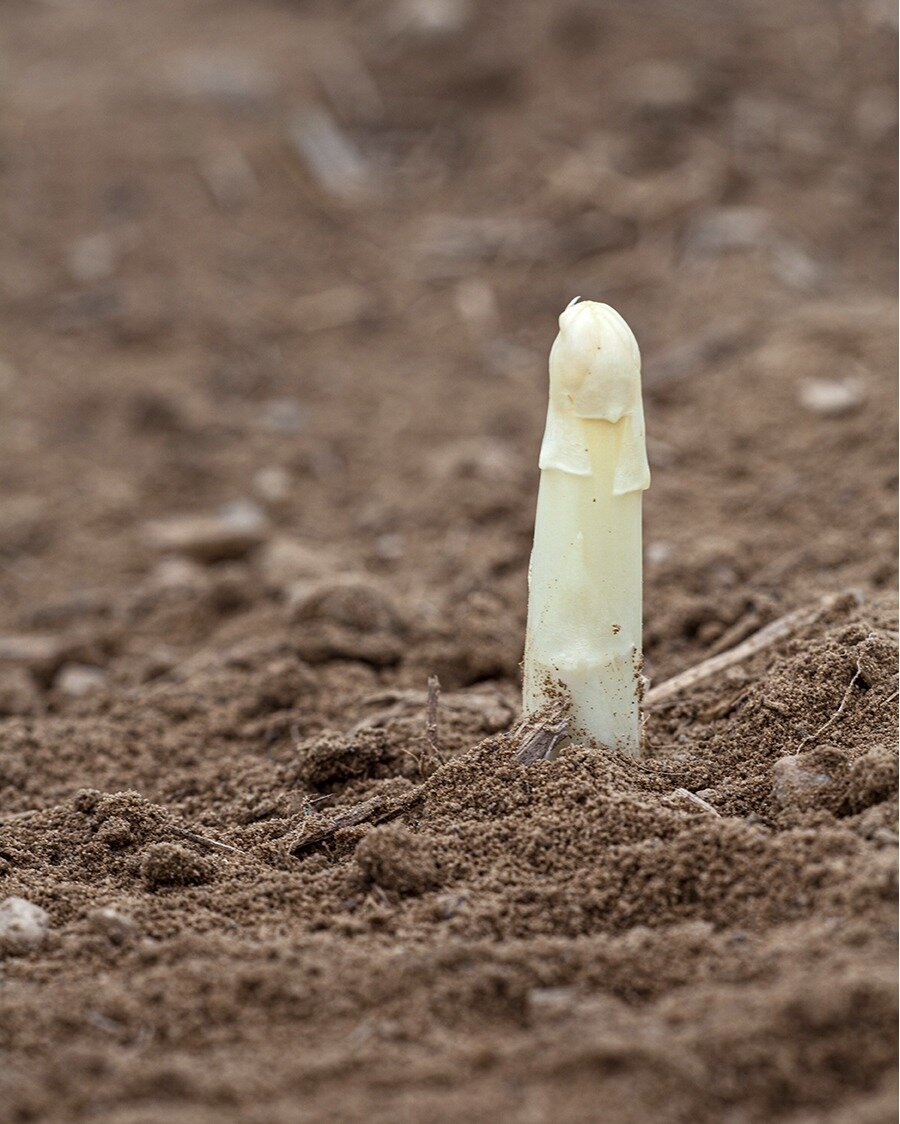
(795, 267)
(233, 533)
(91, 258)
(446, 906)
(832, 398)
(551, 1002)
(389, 547)
(394, 858)
(284, 416)
(658, 552)
(179, 573)
(285, 561)
(796, 784)
(78, 680)
(23, 925)
(273, 484)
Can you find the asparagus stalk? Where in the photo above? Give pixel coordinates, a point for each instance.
(583, 641)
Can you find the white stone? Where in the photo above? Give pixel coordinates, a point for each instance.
(77, 680)
(23, 925)
(832, 398)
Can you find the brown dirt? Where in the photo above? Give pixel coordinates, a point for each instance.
(271, 893)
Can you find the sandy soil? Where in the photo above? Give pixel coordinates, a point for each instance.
(278, 284)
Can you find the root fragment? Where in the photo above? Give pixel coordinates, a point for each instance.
(857, 676)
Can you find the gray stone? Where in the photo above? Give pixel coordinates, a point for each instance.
(797, 783)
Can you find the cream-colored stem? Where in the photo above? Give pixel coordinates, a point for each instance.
(584, 605)
(585, 602)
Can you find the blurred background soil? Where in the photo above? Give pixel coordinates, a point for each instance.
(278, 284)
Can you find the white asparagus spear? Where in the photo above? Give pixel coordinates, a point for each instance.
(584, 581)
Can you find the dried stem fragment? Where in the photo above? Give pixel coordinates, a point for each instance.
(781, 629)
(201, 840)
(375, 810)
(431, 714)
(541, 734)
(698, 801)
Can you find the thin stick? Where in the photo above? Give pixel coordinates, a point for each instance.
(778, 630)
(840, 710)
(377, 809)
(213, 844)
(431, 714)
(686, 794)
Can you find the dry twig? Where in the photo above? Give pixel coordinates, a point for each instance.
(781, 629)
(686, 794)
(212, 844)
(431, 714)
(375, 810)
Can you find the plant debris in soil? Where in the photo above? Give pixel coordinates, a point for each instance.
(275, 845)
